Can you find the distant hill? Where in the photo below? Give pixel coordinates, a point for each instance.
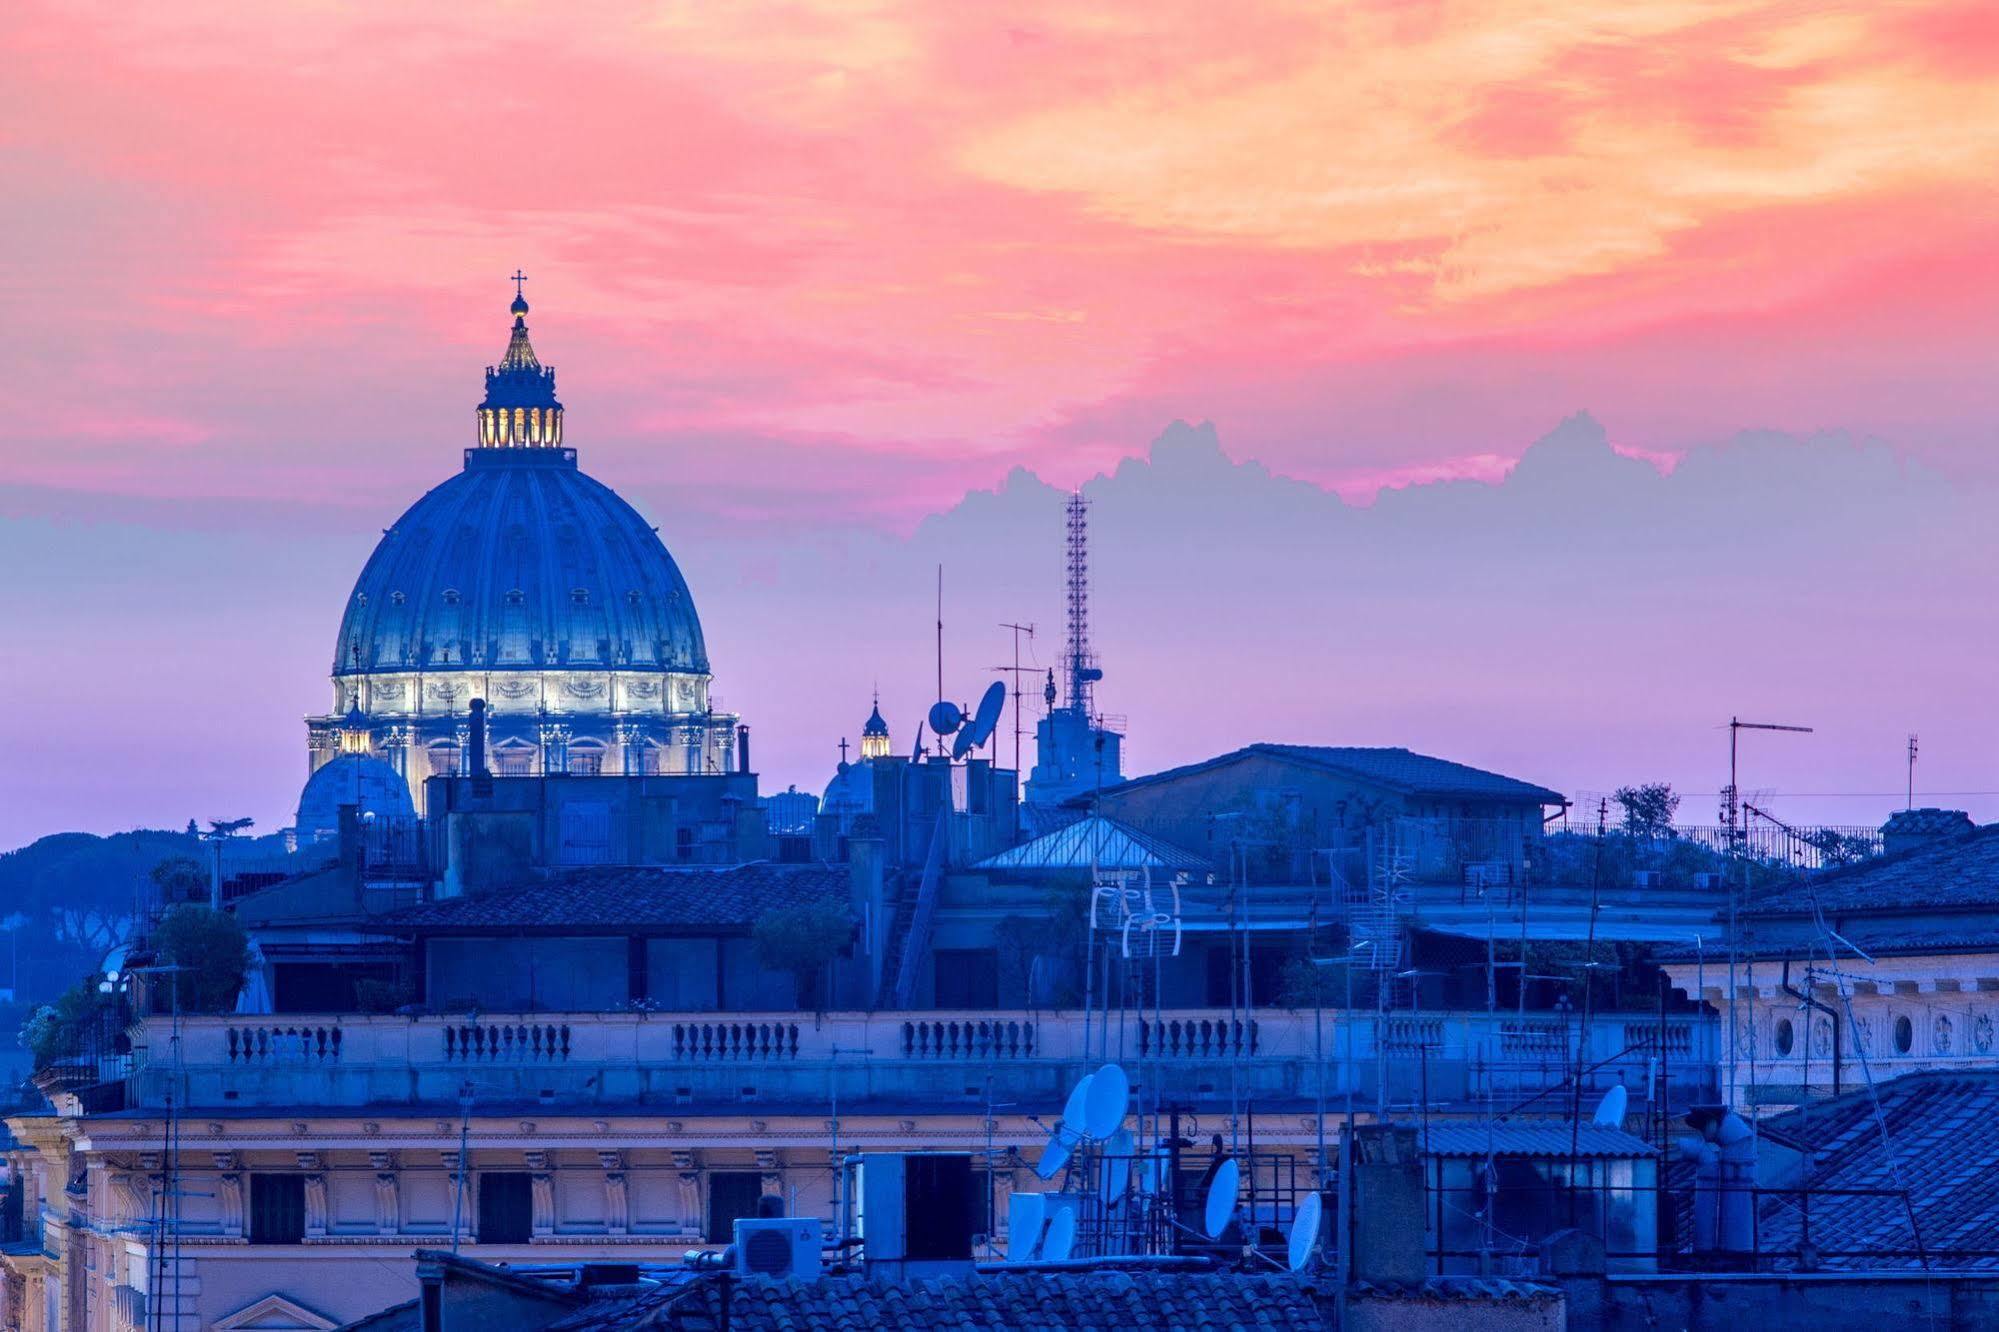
(77, 892)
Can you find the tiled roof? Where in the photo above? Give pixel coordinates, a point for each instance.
(1397, 769)
(1030, 1301)
(1799, 937)
(1096, 841)
(1945, 1154)
(629, 897)
(1453, 1137)
(1954, 872)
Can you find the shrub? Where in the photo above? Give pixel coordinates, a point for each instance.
(803, 940)
(62, 1029)
(214, 951)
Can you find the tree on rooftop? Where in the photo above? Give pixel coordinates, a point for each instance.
(1648, 809)
(803, 940)
(212, 951)
(180, 879)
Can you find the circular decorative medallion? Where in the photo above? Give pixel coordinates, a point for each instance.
(1981, 1033)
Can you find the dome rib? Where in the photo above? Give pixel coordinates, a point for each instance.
(498, 525)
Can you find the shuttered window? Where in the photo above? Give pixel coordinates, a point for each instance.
(277, 1209)
(506, 1207)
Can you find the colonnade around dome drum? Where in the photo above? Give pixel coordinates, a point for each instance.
(520, 427)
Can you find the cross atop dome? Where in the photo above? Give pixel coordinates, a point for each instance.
(520, 409)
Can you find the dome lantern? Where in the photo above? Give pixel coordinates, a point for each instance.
(520, 408)
(874, 734)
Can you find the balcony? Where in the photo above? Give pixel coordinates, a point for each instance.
(887, 1061)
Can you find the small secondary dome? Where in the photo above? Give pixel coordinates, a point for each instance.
(362, 780)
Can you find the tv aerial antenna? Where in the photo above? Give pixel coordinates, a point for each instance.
(1016, 671)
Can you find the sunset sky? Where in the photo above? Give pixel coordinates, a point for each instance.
(815, 271)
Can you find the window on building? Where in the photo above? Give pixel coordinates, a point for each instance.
(732, 1195)
(277, 1209)
(1786, 1038)
(1266, 974)
(330, 987)
(1905, 1035)
(683, 843)
(506, 1207)
(967, 978)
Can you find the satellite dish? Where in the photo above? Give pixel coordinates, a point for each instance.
(986, 719)
(1054, 1156)
(1222, 1190)
(1305, 1231)
(1117, 1167)
(945, 718)
(1026, 1214)
(1610, 1110)
(1061, 1237)
(1105, 1103)
(1075, 1112)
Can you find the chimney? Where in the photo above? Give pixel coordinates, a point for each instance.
(1388, 1219)
(475, 761)
(742, 748)
(1916, 827)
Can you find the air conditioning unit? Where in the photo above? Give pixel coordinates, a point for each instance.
(779, 1246)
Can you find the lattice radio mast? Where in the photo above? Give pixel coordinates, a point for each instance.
(1083, 671)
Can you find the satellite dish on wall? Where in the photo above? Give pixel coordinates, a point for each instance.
(1117, 1167)
(1054, 1156)
(945, 717)
(1075, 1111)
(1610, 1110)
(1061, 1236)
(1222, 1190)
(1304, 1238)
(1105, 1103)
(1026, 1215)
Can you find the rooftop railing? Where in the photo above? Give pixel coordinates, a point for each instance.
(917, 1058)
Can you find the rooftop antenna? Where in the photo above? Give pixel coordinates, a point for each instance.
(1015, 671)
(1912, 771)
(1083, 671)
(1738, 836)
(941, 731)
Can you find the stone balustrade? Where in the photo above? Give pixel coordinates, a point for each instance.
(685, 1058)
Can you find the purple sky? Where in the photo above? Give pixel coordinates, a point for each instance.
(819, 278)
